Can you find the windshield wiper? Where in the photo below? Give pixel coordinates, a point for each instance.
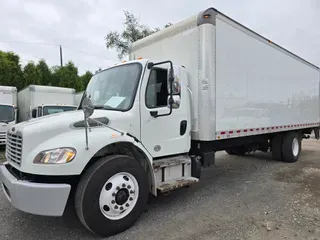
(106, 107)
(4, 121)
(98, 107)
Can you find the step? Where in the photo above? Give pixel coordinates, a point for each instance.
(177, 183)
(171, 161)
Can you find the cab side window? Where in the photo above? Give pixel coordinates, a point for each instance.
(39, 111)
(34, 113)
(157, 88)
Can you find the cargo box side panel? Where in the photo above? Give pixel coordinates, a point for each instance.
(43, 98)
(259, 87)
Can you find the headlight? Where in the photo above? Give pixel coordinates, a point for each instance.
(55, 156)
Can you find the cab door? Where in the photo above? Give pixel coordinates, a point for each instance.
(169, 134)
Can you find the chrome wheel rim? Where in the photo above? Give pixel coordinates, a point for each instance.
(119, 195)
(295, 147)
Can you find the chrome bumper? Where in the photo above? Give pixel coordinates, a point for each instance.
(35, 198)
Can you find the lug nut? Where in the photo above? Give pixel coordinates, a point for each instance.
(113, 201)
(113, 194)
(121, 208)
(118, 188)
(127, 205)
(131, 199)
(131, 192)
(116, 207)
(123, 185)
(128, 186)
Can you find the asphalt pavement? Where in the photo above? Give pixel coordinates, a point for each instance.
(250, 197)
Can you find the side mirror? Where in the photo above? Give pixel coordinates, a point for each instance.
(171, 80)
(34, 113)
(170, 77)
(175, 101)
(87, 107)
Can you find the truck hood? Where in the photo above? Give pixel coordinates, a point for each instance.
(55, 124)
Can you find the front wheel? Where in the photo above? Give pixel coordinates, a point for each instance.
(111, 195)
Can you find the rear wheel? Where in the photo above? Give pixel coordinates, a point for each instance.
(276, 147)
(291, 147)
(111, 195)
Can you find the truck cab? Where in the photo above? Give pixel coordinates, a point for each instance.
(8, 116)
(140, 113)
(8, 110)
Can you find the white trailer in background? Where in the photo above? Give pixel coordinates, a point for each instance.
(205, 84)
(8, 110)
(36, 101)
(78, 97)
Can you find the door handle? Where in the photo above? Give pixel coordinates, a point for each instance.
(183, 127)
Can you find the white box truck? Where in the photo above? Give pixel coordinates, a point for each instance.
(36, 101)
(149, 125)
(8, 110)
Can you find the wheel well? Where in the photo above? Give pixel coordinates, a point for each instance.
(129, 149)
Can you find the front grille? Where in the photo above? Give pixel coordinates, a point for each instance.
(2, 135)
(14, 148)
(3, 138)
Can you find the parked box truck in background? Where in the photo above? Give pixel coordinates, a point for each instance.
(203, 85)
(78, 98)
(36, 101)
(8, 110)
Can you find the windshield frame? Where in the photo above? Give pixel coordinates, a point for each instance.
(134, 95)
(13, 115)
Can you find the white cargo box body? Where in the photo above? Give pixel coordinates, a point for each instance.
(8, 95)
(36, 95)
(78, 98)
(242, 84)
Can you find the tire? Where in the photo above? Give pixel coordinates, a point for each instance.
(276, 147)
(230, 152)
(291, 147)
(98, 204)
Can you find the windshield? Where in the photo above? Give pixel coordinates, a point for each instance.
(115, 88)
(6, 113)
(57, 109)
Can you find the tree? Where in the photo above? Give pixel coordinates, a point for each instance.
(12, 74)
(32, 74)
(67, 76)
(46, 75)
(85, 78)
(133, 31)
(10, 70)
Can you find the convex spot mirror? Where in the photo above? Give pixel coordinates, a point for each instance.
(87, 107)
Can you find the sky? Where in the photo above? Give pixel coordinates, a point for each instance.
(81, 25)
